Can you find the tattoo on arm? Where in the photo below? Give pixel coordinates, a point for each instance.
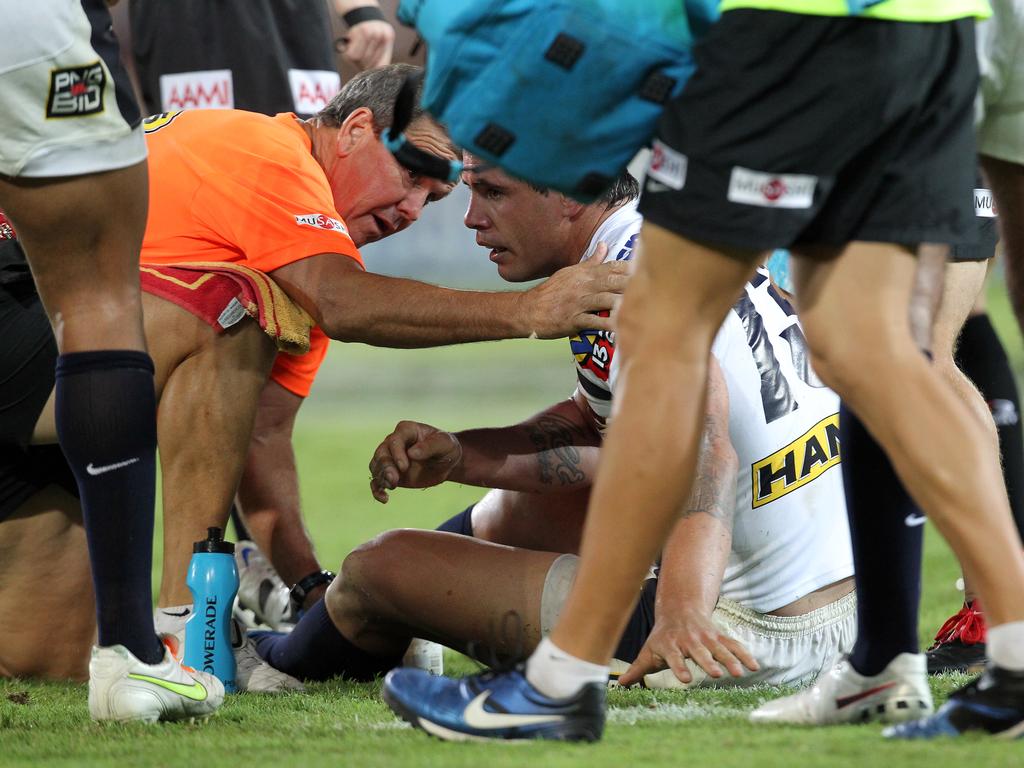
(555, 438)
(714, 484)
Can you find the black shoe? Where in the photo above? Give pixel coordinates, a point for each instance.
(992, 704)
(956, 656)
(960, 643)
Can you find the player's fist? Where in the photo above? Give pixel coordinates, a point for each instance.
(414, 455)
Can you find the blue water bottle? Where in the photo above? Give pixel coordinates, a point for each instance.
(213, 579)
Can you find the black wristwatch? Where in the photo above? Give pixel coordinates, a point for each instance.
(307, 584)
(365, 13)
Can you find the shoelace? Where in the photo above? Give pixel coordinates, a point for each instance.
(967, 625)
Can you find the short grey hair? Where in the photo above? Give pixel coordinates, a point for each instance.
(376, 90)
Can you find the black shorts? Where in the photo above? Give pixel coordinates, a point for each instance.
(818, 130)
(263, 43)
(27, 359)
(641, 622)
(986, 228)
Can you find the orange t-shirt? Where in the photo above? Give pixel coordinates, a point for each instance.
(228, 185)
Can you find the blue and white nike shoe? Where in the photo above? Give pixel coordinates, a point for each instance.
(992, 704)
(492, 705)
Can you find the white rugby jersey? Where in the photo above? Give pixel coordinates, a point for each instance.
(593, 350)
(790, 534)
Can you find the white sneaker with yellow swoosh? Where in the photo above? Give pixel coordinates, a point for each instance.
(122, 688)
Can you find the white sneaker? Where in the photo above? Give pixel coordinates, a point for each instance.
(252, 673)
(122, 688)
(898, 693)
(261, 590)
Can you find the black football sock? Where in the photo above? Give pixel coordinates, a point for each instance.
(106, 422)
(887, 535)
(316, 650)
(980, 355)
(460, 523)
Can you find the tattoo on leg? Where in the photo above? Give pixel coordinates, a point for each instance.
(558, 459)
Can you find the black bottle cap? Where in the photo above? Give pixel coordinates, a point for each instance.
(214, 542)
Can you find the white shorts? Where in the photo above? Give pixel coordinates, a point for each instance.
(1000, 106)
(791, 650)
(66, 105)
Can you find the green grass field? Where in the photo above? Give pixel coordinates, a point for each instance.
(360, 395)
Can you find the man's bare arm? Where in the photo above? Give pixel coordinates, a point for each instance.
(353, 305)
(693, 561)
(268, 493)
(554, 451)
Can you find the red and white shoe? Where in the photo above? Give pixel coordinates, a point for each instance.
(842, 695)
(960, 643)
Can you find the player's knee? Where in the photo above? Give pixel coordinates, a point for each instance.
(838, 360)
(367, 574)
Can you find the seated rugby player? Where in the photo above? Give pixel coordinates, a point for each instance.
(757, 576)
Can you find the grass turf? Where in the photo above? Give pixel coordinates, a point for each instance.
(360, 395)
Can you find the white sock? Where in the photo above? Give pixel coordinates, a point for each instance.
(170, 620)
(558, 674)
(1005, 645)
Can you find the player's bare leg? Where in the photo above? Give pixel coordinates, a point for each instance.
(671, 310)
(48, 613)
(865, 351)
(1007, 182)
(549, 522)
(487, 599)
(82, 235)
(215, 387)
(439, 586)
(963, 282)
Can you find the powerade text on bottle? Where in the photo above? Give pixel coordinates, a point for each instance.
(213, 579)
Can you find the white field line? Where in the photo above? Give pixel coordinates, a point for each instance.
(671, 713)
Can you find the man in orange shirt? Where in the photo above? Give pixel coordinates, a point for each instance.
(293, 199)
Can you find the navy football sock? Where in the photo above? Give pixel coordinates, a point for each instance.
(887, 535)
(316, 650)
(980, 355)
(460, 523)
(106, 422)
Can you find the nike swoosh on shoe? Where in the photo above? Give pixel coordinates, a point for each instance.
(196, 691)
(848, 700)
(477, 717)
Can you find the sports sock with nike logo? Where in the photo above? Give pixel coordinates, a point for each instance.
(887, 549)
(106, 422)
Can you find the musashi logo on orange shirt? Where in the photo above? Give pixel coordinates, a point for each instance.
(320, 221)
